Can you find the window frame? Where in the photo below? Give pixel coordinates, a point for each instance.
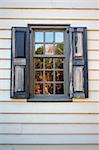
(66, 46)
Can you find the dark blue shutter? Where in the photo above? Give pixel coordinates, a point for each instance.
(78, 67)
(20, 63)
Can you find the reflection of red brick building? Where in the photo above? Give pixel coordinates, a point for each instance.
(50, 49)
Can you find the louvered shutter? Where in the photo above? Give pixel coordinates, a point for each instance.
(20, 63)
(78, 66)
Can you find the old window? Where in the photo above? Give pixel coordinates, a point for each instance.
(49, 63)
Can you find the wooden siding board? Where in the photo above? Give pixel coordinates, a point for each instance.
(49, 147)
(7, 24)
(49, 139)
(63, 14)
(49, 129)
(51, 4)
(49, 118)
(65, 107)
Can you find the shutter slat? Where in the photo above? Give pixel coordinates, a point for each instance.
(20, 63)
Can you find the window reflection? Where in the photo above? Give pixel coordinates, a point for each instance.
(39, 75)
(38, 63)
(48, 75)
(38, 36)
(59, 88)
(59, 63)
(48, 36)
(48, 88)
(48, 63)
(49, 49)
(39, 48)
(58, 37)
(38, 88)
(59, 76)
(59, 48)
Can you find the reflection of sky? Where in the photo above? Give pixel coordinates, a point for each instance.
(38, 36)
(58, 36)
(49, 37)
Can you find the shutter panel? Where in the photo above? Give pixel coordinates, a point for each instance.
(78, 68)
(20, 63)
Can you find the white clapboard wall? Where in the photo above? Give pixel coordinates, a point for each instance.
(49, 126)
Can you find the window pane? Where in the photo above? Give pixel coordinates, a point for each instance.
(48, 88)
(38, 36)
(48, 63)
(49, 49)
(59, 76)
(58, 37)
(59, 48)
(38, 63)
(59, 63)
(59, 88)
(39, 75)
(39, 48)
(48, 36)
(48, 75)
(38, 88)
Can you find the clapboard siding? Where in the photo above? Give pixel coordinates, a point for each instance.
(50, 147)
(63, 14)
(49, 139)
(65, 107)
(49, 119)
(49, 129)
(8, 23)
(50, 4)
(49, 126)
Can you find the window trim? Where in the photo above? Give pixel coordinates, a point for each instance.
(46, 98)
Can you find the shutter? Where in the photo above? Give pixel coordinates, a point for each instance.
(78, 68)
(20, 63)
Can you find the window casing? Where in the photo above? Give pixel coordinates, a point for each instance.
(49, 64)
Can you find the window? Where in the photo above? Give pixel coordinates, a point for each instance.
(49, 63)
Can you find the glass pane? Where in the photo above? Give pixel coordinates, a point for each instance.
(39, 49)
(59, 63)
(38, 36)
(48, 63)
(59, 88)
(39, 75)
(59, 76)
(38, 63)
(48, 75)
(59, 48)
(38, 88)
(48, 36)
(49, 49)
(58, 37)
(48, 88)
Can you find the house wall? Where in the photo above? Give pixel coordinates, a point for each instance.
(49, 126)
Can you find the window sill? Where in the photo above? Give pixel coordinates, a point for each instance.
(49, 100)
